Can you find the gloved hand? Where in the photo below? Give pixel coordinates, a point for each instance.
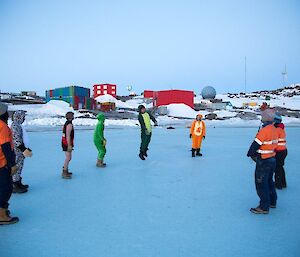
(203, 137)
(254, 158)
(190, 135)
(13, 170)
(104, 142)
(27, 153)
(70, 148)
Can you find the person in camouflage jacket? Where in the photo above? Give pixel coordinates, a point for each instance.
(20, 149)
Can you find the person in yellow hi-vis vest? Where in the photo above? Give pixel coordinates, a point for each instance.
(197, 134)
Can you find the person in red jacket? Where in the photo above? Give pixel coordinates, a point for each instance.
(262, 151)
(281, 154)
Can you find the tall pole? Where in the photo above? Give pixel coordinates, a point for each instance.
(245, 74)
(284, 77)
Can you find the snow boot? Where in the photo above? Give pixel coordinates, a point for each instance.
(193, 152)
(258, 210)
(5, 219)
(18, 189)
(198, 152)
(145, 154)
(65, 174)
(69, 173)
(141, 155)
(22, 185)
(100, 164)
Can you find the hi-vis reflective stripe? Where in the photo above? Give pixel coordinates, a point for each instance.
(266, 142)
(265, 151)
(258, 141)
(282, 142)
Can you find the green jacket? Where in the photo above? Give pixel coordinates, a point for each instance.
(99, 130)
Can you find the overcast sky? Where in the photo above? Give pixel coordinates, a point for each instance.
(151, 44)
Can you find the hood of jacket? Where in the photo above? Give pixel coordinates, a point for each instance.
(19, 117)
(101, 117)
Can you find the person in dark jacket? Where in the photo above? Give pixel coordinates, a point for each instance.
(145, 118)
(21, 150)
(281, 154)
(7, 167)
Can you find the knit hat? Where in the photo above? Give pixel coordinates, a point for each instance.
(141, 107)
(3, 108)
(268, 115)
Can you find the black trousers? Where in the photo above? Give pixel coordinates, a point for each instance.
(280, 180)
(6, 187)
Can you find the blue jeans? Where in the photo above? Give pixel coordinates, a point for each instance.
(264, 183)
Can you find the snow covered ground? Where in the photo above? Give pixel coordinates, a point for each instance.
(170, 205)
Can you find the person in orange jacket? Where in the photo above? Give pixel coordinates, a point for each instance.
(8, 167)
(262, 151)
(281, 153)
(197, 134)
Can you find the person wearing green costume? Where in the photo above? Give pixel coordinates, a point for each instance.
(145, 118)
(100, 141)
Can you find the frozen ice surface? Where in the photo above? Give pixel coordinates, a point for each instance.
(169, 205)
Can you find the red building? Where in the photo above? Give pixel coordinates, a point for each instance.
(103, 89)
(166, 97)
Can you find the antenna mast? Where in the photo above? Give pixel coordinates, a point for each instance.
(245, 74)
(284, 76)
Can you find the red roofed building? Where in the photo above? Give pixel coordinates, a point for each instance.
(166, 97)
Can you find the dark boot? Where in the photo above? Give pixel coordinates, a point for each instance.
(145, 154)
(198, 152)
(18, 189)
(141, 155)
(65, 174)
(193, 152)
(22, 185)
(5, 219)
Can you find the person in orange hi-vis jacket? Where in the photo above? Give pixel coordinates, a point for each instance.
(197, 134)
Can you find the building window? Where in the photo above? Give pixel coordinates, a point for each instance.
(113, 87)
(113, 92)
(98, 87)
(105, 87)
(98, 92)
(105, 91)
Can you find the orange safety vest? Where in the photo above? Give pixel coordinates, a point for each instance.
(5, 137)
(281, 140)
(267, 138)
(198, 128)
